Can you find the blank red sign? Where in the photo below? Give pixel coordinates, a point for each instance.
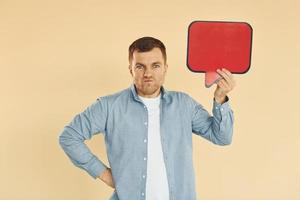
(213, 45)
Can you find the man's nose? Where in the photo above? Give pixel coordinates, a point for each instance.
(147, 72)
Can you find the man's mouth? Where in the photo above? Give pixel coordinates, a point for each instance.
(147, 81)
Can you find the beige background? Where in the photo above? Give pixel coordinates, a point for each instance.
(58, 56)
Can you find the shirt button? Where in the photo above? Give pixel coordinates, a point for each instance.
(216, 107)
(222, 109)
(143, 194)
(144, 176)
(145, 140)
(145, 123)
(145, 158)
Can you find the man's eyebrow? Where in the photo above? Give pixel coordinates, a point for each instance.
(139, 64)
(157, 62)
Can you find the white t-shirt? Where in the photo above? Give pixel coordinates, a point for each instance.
(156, 183)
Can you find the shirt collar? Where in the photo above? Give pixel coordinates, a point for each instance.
(164, 92)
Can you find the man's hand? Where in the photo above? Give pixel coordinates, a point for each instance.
(106, 177)
(225, 85)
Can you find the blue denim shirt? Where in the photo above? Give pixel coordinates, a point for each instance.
(122, 118)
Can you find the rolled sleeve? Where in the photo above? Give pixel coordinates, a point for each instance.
(220, 110)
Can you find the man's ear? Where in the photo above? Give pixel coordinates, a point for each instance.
(130, 69)
(166, 68)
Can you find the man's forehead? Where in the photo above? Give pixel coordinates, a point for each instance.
(155, 55)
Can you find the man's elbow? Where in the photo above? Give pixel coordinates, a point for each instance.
(63, 139)
(225, 142)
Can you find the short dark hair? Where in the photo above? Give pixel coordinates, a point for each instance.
(145, 44)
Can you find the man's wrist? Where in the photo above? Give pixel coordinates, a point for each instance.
(221, 99)
(103, 175)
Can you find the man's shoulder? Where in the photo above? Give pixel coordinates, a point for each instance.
(115, 95)
(178, 94)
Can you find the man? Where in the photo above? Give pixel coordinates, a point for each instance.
(148, 130)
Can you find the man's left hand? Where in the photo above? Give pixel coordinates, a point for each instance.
(225, 85)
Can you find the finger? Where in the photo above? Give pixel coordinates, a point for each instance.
(227, 76)
(224, 75)
(224, 85)
(220, 83)
(230, 75)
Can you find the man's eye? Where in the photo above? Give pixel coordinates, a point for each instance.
(139, 67)
(156, 66)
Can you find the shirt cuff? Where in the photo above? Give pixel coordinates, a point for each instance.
(96, 168)
(221, 108)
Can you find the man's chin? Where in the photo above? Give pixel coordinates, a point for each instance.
(149, 90)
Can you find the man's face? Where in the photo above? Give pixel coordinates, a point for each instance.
(148, 70)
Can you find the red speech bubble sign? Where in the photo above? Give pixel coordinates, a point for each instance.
(213, 45)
